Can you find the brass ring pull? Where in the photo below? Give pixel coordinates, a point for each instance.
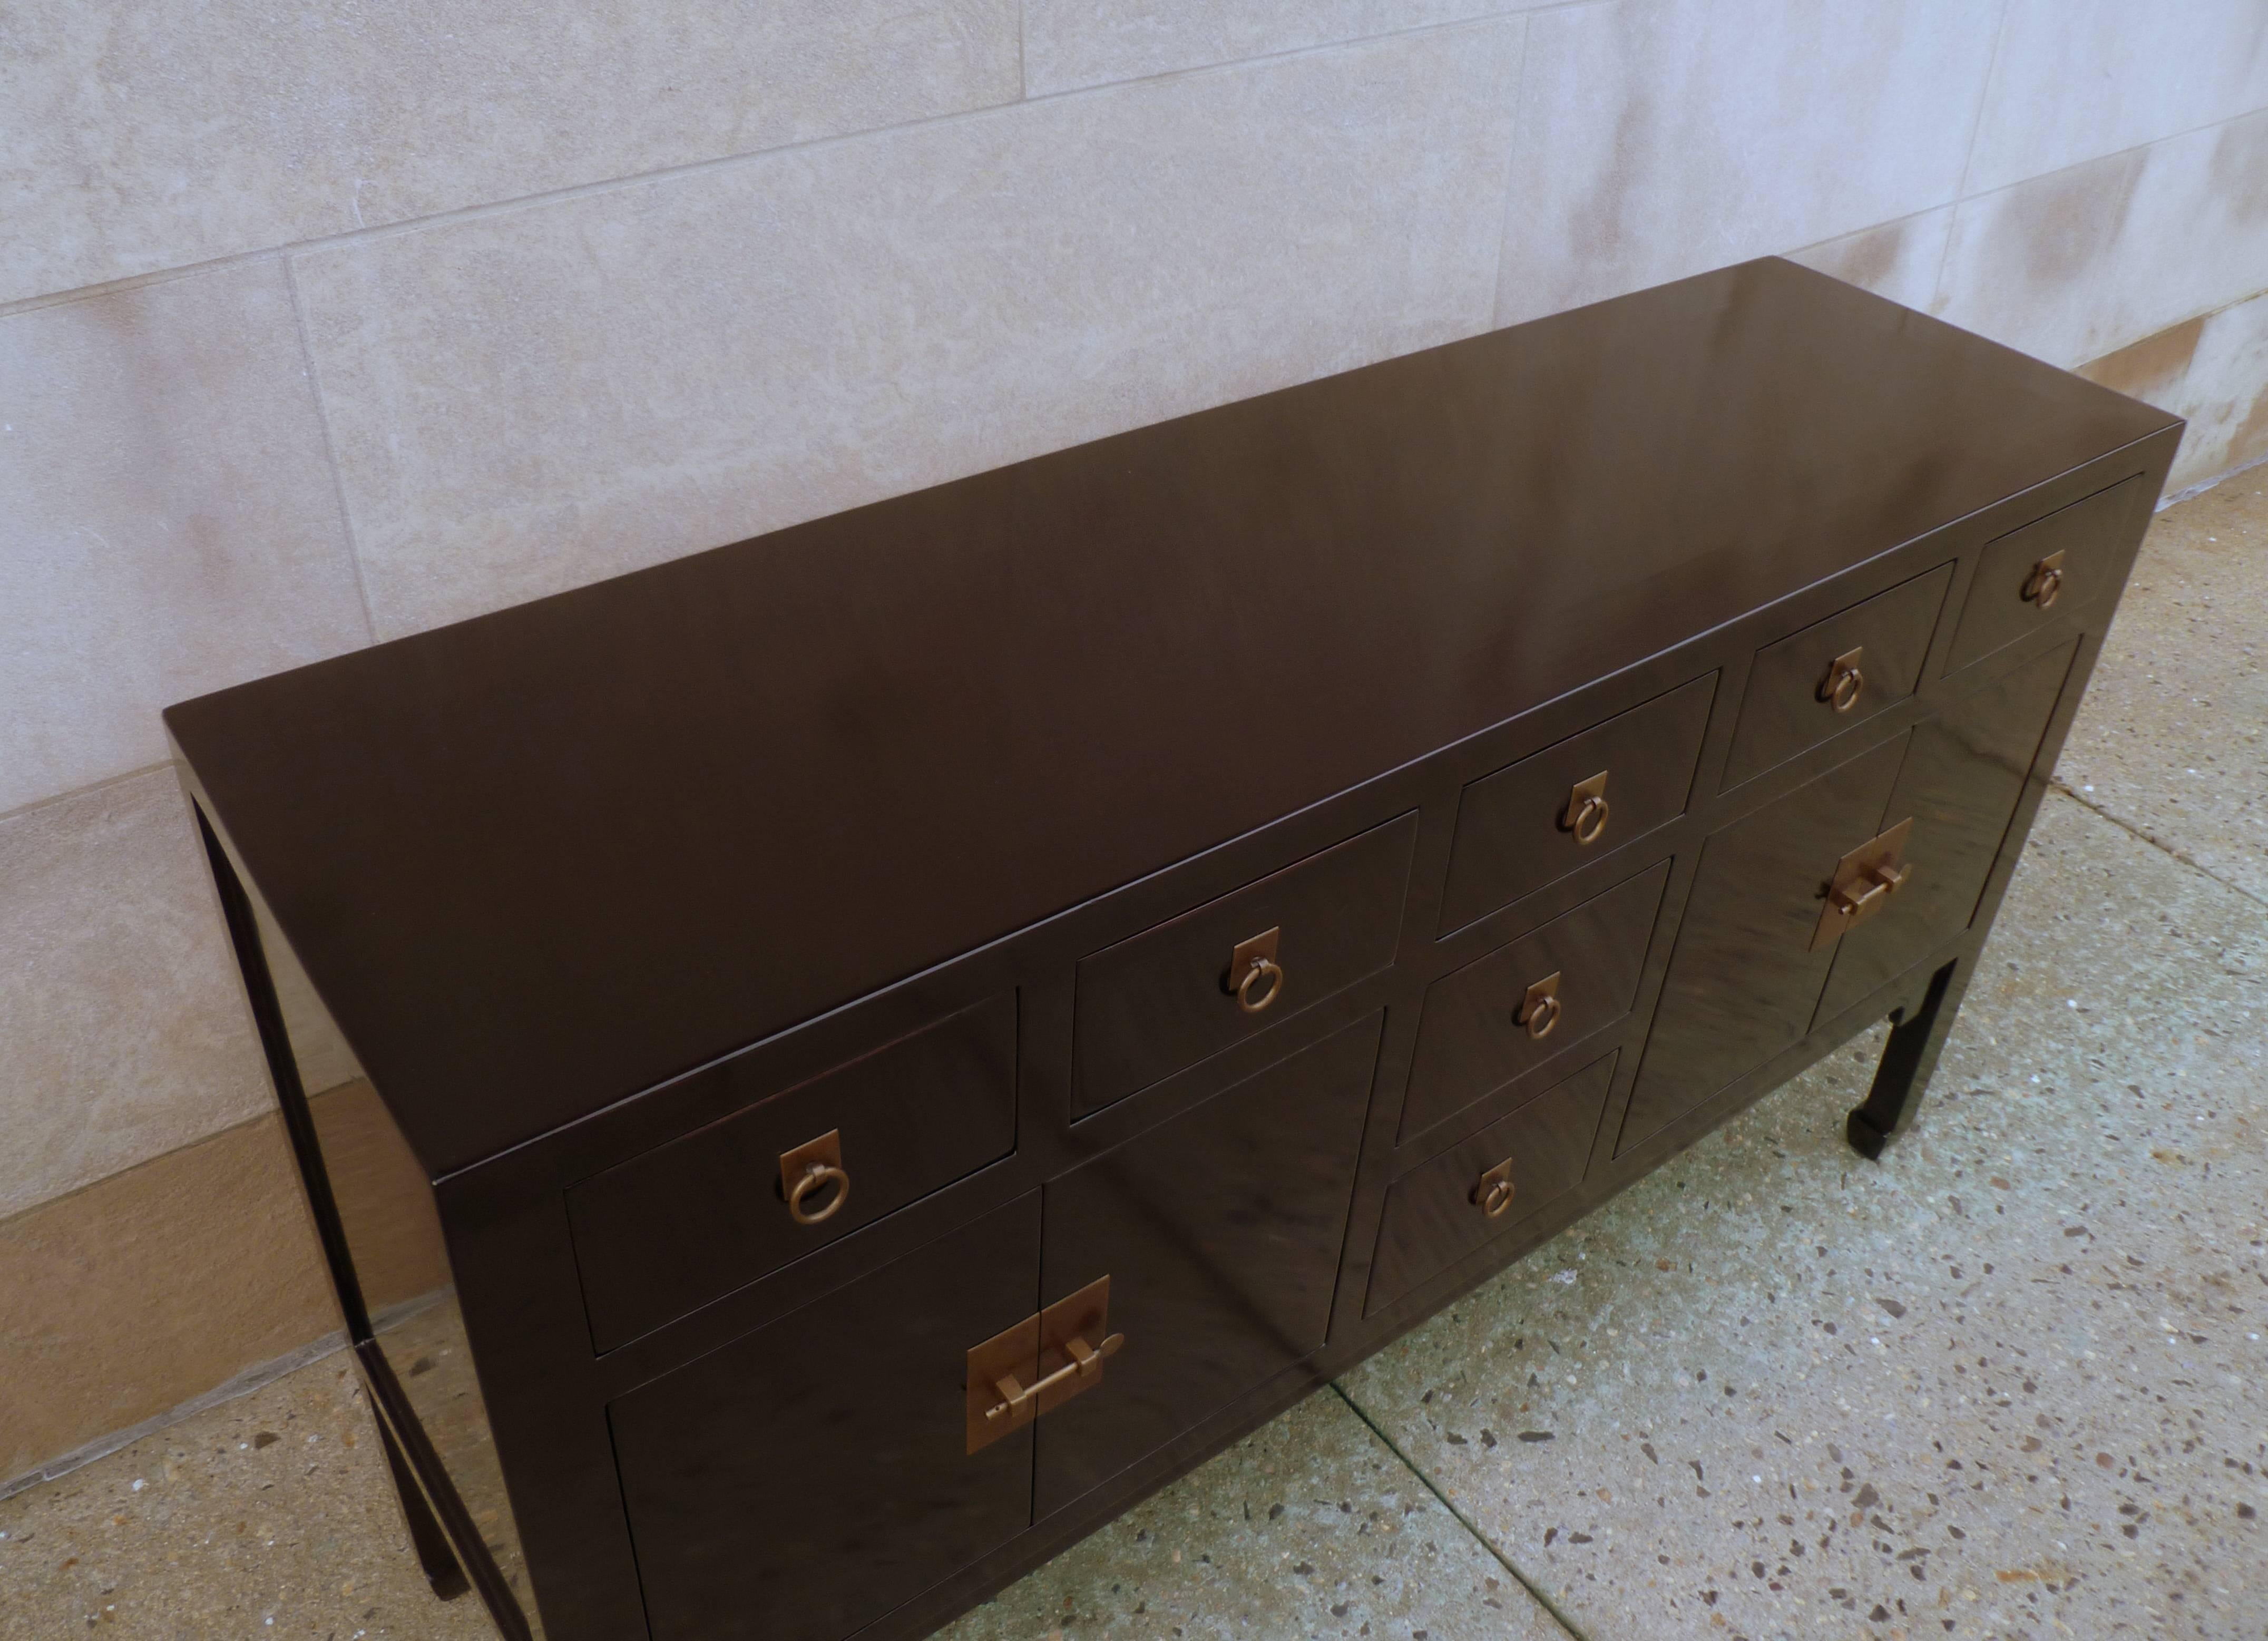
(1591, 819)
(814, 1175)
(1844, 682)
(1260, 966)
(2046, 583)
(1494, 1193)
(1542, 1017)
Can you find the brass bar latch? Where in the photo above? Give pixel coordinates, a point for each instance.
(1586, 812)
(1010, 1383)
(1250, 964)
(1864, 881)
(2046, 581)
(1085, 1359)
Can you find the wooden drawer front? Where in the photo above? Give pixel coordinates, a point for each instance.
(1220, 1231)
(2003, 603)
(1474, 1037)
(1799, 688)
(1744, 980)
(804, 1481)
(1438, 1211)
(1961, 784)
(665, 1233)
(1160, 1001)
(1513, 834)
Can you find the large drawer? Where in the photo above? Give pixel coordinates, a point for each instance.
(2042, 572)
(1836, 674)
(689, 1221)
(1504, 1015)
(1524, 826)
(1488, 1185)
(1167, 997)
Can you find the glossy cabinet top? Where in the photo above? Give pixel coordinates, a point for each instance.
(538, 860)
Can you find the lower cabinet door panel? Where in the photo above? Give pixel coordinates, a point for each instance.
(1743, 981)
(1959, 786)
(1488, 1184)
(800, 1482)
(1220, 1231)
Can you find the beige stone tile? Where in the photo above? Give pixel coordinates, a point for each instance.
(530, 401)
(124, 1031)
(1898, 260)
(2225, 395)
(2172, 739)
(2004, 1383)
(149, 1289)
(1660, 138)
(171, 133)
(1310, 1527)
(2077, 79)
(1071, 43)
(2077, 264)
(2211, 370)
(172, 526)
(268, 1516)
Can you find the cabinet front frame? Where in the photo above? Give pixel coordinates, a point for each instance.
(505, 1218)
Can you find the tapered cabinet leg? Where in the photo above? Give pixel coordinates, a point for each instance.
(438, 1561)
(1909, 1060)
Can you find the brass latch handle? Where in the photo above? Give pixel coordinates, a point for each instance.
(1085, 1360)
(807, 1168)
(1863, 882)
(1881, 881)
(1845, 681)
(1539, 1010)
(1586, 812)
(2046, 582)
(1251, 964)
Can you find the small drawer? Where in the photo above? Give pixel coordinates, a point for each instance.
(1484, 1186)
(1836, 674)
(1525, 826)
(1502, 1016)
(2045, 571)
(688, 1221)
(1176, 994)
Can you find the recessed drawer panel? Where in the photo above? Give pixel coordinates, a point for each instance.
(1836, 674)
(667, 1232)
(812, 1476)
(1524, 826)
(1175, 994)
(1485, 1187)
(2042, 572)
(1502, 1016)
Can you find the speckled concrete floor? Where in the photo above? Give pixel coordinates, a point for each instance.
(2008, 1384)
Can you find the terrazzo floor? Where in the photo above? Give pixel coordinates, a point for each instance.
(2011, 1383)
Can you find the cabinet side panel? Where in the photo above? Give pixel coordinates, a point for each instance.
(381, 1232)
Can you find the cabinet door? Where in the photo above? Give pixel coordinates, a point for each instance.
(1744, 981)
(802, 1482)
(1220, 1231)
(1962, 779)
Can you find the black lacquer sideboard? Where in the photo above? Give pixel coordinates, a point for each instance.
(827, 1069)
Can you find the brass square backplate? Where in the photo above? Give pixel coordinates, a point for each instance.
(1865, 880)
